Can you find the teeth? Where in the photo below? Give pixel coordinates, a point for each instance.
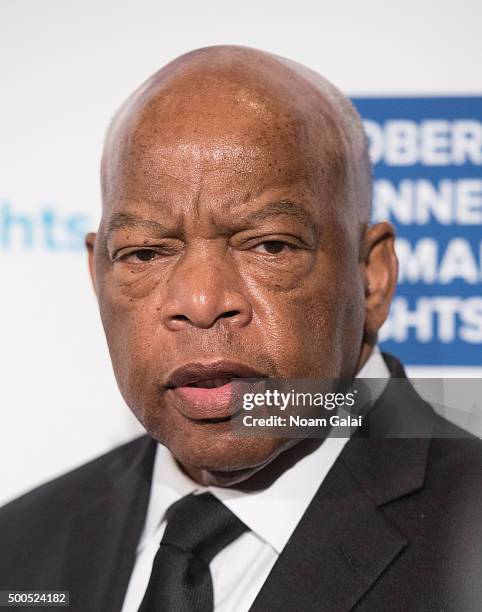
(211, 383)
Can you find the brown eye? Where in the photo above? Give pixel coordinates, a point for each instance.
(273, 247)
(144, 254)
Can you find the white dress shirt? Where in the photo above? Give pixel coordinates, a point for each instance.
(272, 514)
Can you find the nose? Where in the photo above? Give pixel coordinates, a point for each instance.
(205, 290)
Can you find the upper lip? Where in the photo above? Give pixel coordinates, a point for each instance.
(196, 371)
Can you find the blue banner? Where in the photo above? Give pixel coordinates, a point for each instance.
(427, 156)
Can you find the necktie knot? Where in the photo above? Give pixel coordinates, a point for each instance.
(201, 525)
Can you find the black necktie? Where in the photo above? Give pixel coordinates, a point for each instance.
(198, 527)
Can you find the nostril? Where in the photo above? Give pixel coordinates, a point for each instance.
(230, 313)
(205, 319)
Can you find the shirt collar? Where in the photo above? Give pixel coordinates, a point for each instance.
(375, 367)
(272, 513)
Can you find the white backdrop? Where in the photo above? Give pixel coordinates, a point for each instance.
(65, 67)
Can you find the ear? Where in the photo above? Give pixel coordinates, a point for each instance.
(90, 239)
(380, 275)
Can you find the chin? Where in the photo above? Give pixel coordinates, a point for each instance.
(220, 455)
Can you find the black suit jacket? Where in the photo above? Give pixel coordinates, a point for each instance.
(396, 524)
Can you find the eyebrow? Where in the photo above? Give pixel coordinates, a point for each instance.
(120, 221)
(283, 207)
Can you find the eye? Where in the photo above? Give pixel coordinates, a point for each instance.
(137, 254)
(274, 247)
(142, 255)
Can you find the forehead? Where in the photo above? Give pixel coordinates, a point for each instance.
(209, 137)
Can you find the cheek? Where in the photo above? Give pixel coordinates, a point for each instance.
(312, 322)
(130, 328)
(281, 274)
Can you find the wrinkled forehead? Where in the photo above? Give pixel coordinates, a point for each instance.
(219, 125)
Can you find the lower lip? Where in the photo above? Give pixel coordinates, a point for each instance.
(200, 403)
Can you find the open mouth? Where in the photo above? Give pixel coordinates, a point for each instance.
(210, 383)
(204, 391)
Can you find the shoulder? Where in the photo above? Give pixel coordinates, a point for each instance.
(39, 531)
(56, 500)
(451, 478)
(456, 456)
(447, 457)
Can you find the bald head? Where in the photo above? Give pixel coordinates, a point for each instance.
(223, 104)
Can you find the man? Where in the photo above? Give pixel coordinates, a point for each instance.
(235, 243)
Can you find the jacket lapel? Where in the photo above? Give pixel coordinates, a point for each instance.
(344, 541)
(341, 546)
(102, 543)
